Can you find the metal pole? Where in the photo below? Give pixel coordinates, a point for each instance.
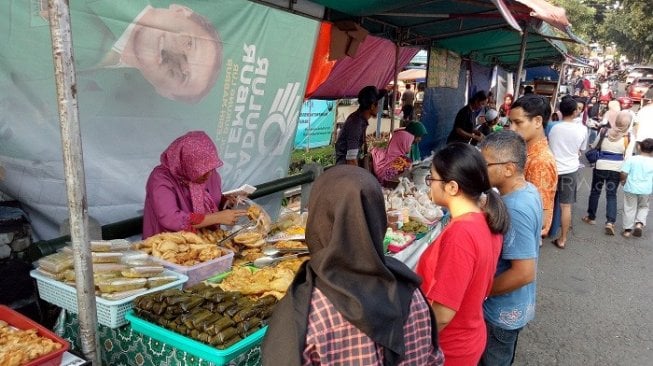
(396, 86)
(308, 129)
(522, 56)
(379, 117)
(71, 141)
(554, 100)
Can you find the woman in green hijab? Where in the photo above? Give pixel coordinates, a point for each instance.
(418, 130)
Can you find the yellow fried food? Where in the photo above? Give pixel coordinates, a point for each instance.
(183, 248)
(257, 283)
(253, 212)
(290, 244)
(18, 347)
(295, 230)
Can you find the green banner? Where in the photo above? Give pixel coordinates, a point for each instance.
(316, 123)
(148, 72)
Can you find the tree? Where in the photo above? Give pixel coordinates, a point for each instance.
(630, 26)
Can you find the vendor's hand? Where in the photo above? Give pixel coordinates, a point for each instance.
(477, 136)
(229, 217)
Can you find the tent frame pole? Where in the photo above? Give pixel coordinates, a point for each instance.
(563, 72)
(73, 163)
(396, 84)
(522, 57)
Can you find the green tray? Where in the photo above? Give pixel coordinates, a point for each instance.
(196, 348)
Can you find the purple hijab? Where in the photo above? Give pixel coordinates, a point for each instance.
(173, 191)
(399, 145)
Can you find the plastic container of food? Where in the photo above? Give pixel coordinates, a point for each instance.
(202, 271)
(57, 262)
(21, 322)
(120, 284)
(193, 347)
(109, 313)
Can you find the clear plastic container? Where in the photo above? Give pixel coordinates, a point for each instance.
(57, 262)
(120, 284)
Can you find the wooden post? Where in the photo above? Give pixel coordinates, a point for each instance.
(73, 162)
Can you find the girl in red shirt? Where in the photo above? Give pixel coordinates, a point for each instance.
(458, 268)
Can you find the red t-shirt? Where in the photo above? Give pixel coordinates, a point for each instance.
(457, 272)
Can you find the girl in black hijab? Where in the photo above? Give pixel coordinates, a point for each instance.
(366, 307)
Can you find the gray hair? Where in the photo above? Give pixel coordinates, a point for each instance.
(508, 145)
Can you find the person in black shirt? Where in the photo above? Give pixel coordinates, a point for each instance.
(464, 126)
(350, 145)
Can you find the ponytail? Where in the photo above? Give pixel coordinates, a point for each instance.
(496, 213)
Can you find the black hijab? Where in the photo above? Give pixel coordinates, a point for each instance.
(344, 234)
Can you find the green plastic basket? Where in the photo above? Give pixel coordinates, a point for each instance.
(193, 347)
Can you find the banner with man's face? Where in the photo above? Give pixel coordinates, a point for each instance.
(148, 72)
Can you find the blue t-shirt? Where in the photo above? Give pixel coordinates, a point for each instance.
(522, 241)
(640, 174)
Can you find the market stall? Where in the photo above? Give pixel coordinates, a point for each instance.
(211, 277)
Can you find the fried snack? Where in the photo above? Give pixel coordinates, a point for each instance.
(258, 283)
(253, 212)
(290, 244)
(184, 248)
(295, 230)
(250, 239)
(211, 236)
(18, 347)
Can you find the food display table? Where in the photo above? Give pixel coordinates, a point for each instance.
(411, 254)
(125, 347)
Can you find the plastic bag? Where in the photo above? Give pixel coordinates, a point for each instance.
(257, 218)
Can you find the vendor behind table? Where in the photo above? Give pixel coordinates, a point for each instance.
(184, 192)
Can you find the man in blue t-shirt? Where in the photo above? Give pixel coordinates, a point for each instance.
(511, 304)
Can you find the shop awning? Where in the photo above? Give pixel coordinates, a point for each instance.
(489, 29)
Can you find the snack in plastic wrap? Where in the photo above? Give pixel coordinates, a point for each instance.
(57, 262)
(55, 276)
(121, 284)
(106, 257)
(110, 245)
(109, 267)
(160, 280)
(136, 258)
(142, 271)
(122, 294)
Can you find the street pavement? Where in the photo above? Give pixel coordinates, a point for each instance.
(594, 297)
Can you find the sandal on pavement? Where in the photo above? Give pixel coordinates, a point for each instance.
(588, 221)
(626, 233)
(558, 244)
(637, 231)
(609, 228)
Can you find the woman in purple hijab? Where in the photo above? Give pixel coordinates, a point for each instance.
(185, 191)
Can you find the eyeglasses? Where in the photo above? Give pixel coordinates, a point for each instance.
(429, 179)
(501, 163)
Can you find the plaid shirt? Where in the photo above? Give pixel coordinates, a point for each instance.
(332, 340)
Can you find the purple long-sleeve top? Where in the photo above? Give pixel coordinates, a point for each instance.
(168, 205)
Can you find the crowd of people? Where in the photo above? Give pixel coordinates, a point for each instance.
(507, 185)
(509, 178)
